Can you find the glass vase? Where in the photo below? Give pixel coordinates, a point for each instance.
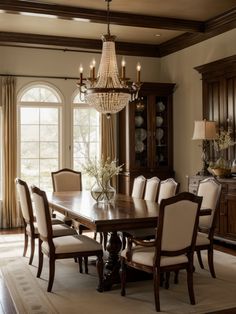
(103, 192)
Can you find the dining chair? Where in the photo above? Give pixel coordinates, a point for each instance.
(210, 190)
(173, 247)
(168, 188)
(138, 187)
(30, 223)
(151, 192)
(74, 246)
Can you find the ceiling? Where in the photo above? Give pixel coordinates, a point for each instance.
(144, 28)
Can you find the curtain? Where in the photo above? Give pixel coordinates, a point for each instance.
(108, 140)
(10, 216)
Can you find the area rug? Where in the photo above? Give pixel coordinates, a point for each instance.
(76, 293)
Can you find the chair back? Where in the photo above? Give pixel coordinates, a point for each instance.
(177, 224)
(151, 189)
(66, 180)
(138, 187)
(210, 190)
(25, 201)
(42, 213)
(168, 188)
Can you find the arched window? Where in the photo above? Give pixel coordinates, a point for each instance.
(39, 118)
(86, 135)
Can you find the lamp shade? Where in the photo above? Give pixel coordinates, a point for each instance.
(204, 130)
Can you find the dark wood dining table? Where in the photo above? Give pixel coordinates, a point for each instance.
(124, 213)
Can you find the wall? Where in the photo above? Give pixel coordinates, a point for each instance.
(179, 68)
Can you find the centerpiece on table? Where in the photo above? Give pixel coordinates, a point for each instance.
(102, 171)
(221, 168)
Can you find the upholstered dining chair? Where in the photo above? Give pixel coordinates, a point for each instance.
(168, 188)
(151, 192)
(173, 247)
(138, 187)
(75, 246)
(210, 190)
(30, 224)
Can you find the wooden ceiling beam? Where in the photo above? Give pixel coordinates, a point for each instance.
(122, 48)
(100, 16)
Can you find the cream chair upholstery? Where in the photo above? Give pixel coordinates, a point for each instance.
(210, 190)
(173, 247)
(66, 180)
(138, 187)
(76, 246)
(151, 189)
(31, 226)
(168, 188)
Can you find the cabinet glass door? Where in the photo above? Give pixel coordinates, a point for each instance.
(161, 132)
(141, 133)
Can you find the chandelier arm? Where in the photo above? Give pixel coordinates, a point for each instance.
(108, 17)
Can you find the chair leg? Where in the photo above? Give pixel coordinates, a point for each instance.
(161, 279)
(86, 264)
(100, 266)
(80, 259)
(32, 243)
(51, 273)
(167, 281)
(101, 237)
(190, 285)
(25, 244)
(210, 262)
(105, 240)
(176, 278)
(123, 277)
(123, 242)
(40, 259)
(95, 236)
(200, 259)
(156, 282)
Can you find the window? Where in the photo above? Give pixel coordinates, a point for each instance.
(39, 128)
(86, 136)
(1, 145)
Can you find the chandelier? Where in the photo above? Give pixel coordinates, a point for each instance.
(108, 93)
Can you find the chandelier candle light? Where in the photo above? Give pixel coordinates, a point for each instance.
(108, 93)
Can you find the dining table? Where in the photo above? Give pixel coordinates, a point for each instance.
(122, 213)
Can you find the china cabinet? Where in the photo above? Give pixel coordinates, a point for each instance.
(145, 135)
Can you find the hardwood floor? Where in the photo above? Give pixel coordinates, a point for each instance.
(7, 305)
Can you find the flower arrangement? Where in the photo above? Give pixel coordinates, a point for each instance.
(223, 140)
(102, 170)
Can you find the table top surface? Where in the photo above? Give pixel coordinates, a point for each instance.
(123, 213)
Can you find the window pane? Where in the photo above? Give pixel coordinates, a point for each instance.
(48, 116)
(94, 134)
(48, 133)
(81, 150)
(81, 133)
(30, 133)
(49, 150)
(30, 170)
(29, 115)
(40, 94)
(29, 150)
(48, 165)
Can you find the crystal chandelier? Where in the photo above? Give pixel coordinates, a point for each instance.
(108, 93)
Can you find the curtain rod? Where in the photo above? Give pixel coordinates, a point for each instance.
(42, 76)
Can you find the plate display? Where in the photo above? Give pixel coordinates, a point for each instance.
(160, 106)
(159, 120)
(140, 134)
(138, 120)
(139, 147)
(159, 134)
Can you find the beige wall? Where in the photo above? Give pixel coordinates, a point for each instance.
(179, 68)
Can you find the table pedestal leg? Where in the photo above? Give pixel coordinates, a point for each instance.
(112, 266)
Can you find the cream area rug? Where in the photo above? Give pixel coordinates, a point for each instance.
(76, 293)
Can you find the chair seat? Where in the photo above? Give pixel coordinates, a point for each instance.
(56, 221)
(202, 239)
(140, 233)
(145, 256)
(70, 244)
(58, 230)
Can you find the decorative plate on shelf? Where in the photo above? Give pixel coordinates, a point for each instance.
(138, 120)
(159, 120)
(159, 134)
(139, 147)
(140, 134)
(160, 106)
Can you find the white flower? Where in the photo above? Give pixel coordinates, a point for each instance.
(223, 140)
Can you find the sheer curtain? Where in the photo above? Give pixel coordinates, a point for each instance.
(108, 140)
(9, 216)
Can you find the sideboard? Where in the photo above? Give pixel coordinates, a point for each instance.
(226, 220)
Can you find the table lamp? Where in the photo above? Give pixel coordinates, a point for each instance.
(204, 130)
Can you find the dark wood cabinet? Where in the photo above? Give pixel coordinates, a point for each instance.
(226, 218)
(145, 135)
